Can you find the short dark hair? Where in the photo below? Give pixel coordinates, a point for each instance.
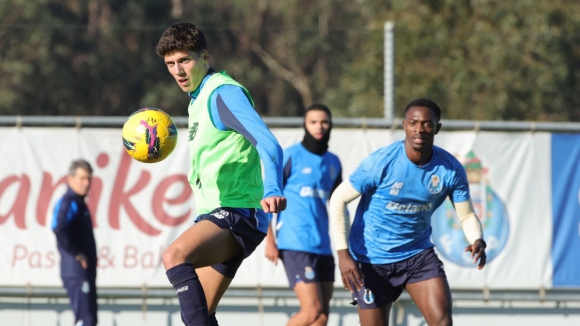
(427, 103)
(181, 37)
(80, 163)
(318, 107)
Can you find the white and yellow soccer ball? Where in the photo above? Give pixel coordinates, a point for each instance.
(149, 135)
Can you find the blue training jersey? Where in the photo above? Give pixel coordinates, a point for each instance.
(309, 179)
(393, 217)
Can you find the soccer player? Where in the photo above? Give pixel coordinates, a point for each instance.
(227, 139)
(73, 228)
(389, 246)
(311, 173)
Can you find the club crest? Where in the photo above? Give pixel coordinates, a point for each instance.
(309, 273)
(435, 185)
(368, 297)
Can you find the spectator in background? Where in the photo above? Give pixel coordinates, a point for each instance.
(311, 173)
(73, 228)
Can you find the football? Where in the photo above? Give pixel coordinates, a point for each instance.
(149, 135)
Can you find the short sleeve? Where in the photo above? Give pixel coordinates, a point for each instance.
(368, 174)
(460, 188)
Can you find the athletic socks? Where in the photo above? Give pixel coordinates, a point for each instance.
(190, 293)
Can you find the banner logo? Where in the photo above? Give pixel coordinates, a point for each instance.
(489, 208)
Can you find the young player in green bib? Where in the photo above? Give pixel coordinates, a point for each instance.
(227, 141)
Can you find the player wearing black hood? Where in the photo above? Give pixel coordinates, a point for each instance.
(311, 174)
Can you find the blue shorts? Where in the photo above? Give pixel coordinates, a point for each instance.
(82, 294)
(383, 284)
(242, 223)
(307, 267)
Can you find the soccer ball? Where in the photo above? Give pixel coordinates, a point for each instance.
(149, 135)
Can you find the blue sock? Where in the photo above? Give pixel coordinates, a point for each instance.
(190, 293)
(213, 320)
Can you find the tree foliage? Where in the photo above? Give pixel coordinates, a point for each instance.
(479, 59)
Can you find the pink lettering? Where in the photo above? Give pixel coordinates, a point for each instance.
(50, 259)
(19, 253)
(33, 259)
(19, 207)
(133, 258)
(46, 193)
(96, 189)
(130, 257)
(119, 198)
(148, 260)
(159, 198)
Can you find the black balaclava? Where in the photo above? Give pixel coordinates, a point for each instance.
(312, 144)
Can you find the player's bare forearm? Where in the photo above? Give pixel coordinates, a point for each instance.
(271, 252)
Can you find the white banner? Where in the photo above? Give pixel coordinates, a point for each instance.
(138, 209)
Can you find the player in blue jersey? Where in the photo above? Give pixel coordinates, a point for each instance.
(73, 227)
(227, 140)
(389, 247)
(311, 173)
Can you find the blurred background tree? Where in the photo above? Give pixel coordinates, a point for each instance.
(479, 59)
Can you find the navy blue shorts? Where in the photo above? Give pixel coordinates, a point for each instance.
(82, 294)
(307, 267)
(383, 284)
(242, 223)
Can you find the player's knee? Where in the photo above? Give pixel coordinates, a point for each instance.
(311, 314)
(173, 256)
(322, 319)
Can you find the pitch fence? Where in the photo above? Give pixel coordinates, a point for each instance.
(115, 122)
(540, 295)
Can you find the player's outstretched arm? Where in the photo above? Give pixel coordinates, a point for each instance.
(473, 232)
(351, 275)
(232, 110)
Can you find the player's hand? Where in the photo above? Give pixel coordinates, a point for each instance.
(83, 260)
(272, 252)
(351, 275)
(477, 250)
(273, 204)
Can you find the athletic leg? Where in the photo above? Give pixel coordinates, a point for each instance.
(203, 244)
(310, 304)
(433, 298)
(326, 289)
(214, 285)
(375, 316)
(382, 287)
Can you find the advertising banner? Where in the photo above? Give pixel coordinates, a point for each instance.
(139, 209)
(566, 209)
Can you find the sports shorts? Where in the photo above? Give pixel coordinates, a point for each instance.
(242, 223)
(307, 267)
(384, 283)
